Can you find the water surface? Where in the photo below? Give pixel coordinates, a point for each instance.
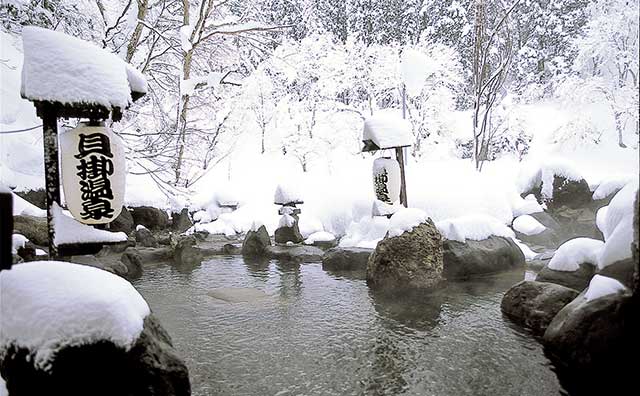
(314, 333)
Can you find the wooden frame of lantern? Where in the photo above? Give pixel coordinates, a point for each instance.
(49, 112)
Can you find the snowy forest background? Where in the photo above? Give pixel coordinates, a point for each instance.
(244, 94)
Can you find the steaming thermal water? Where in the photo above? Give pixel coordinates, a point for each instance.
(315, 333)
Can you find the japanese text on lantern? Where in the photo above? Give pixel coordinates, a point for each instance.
(94, 169)
(380, 181)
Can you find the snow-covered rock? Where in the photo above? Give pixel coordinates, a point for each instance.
(577, 251)
(601, 286)
(321, 236)
(405, 219)
(21, 207)
(17, 241)
(49, 305)
(527, 225)
(474, 227)
(542, 176)
(617, 226)
(612, 185)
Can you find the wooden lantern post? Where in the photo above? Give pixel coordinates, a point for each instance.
(6, 230)
(375, 140)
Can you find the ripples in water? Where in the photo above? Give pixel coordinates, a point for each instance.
(316, 333)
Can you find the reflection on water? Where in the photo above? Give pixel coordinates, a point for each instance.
(324, 334)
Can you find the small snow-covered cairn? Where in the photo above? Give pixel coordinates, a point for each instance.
(288, 197)
(386, 130)
(66, 77)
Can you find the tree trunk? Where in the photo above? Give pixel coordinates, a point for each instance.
(619, 130)
(137, 32)
(184, 105)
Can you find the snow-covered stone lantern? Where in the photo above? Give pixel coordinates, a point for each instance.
(288, 197)
(388, 131)
(66, 77)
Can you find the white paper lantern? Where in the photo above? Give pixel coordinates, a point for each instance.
(93, 173)
(386, 179)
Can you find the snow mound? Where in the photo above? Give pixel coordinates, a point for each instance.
(321, 236)
(404, 220)
(474, 227)
(387, 129)
(17, 241)
(288, 193)
(65, 69)
(620, 207)
(526, 206)
(618, 245)
(365, 233)
(601, 220)
(533, 176)
(577, 251)
(68, 231)
(22, 207)
(528, 225)
(612, 185)
(49, 305)
(601, 286)
(526, 250)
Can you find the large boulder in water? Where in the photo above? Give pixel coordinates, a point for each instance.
(180, 221)
(288, 231)
(346, 259)
(101, 368)
(412, 260)
(622, 270)
(535, 304)
(145, 238)
(152, 218)
(186, 255)
(123, 223)
(577, 280)
(464, 260)
(593, 340)
(255, 243)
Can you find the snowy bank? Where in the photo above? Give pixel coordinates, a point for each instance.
(49, 305)
(577, 251)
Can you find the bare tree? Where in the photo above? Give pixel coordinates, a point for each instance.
(492, 55)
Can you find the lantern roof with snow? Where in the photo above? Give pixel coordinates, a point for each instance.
(76, 77)
(386, 130)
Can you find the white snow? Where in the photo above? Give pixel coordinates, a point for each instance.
(365, 233)
(620, 207)
(68, 231)
(286, 221)
(404, 220)
(533, 175)
(528, 225)
(525, 206)
(618, 245)
(3, 388)
(288, 193)
(380, 208)
(185, 36)
(601, 220)
(17, 241)
(23, 207)
(601, 286)
(616, 223)
(574, 252)
(387, 129)
(474, 227)
(140, 227)
(321, 236)
(612, 185)
(526, 250)
(48, 305)
(414, 68)
(137, 81)
(65, 69)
